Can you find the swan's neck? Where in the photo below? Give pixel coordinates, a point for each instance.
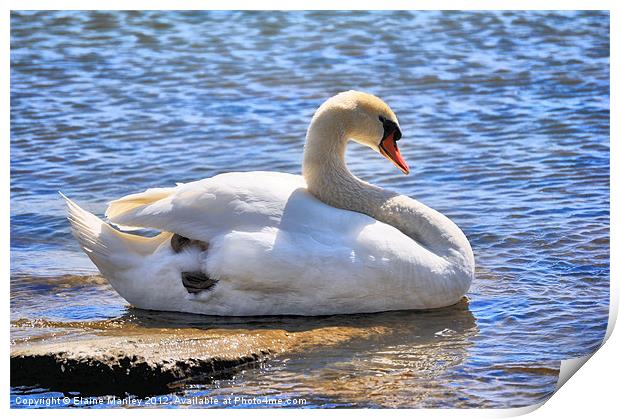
(329, 179)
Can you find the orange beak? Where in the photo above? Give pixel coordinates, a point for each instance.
(389, 149)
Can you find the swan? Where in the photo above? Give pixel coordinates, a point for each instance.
(270, 243)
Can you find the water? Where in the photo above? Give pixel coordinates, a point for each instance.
(505, 120)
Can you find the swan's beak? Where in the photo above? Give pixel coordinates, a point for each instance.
(389, 149)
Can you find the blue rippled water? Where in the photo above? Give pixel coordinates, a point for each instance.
(505, 119)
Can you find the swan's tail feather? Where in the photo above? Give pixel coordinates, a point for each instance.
(130, 203)
(108, 248)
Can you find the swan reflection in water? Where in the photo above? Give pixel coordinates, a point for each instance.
(395, 362)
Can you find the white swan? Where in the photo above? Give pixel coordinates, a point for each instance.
(267, 243)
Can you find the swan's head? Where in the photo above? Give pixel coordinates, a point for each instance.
(369, 121)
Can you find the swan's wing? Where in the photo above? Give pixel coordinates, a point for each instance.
(319, 260)
(200, 210)
(271, 242)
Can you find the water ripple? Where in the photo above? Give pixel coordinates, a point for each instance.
(505, 117)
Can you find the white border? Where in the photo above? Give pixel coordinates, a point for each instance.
(593, 392)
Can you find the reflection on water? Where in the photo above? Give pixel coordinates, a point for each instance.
(409, 366)
(505, 119)
(399, 359)
(396, 360)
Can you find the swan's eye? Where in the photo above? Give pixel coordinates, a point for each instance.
(389, 127)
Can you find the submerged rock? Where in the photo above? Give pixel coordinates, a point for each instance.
(119, 359)
(138, 365)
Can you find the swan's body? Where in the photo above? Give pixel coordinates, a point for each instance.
(277, 243)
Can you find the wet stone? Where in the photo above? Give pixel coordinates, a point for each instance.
(100, 358)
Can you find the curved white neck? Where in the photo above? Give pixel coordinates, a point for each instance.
(329, 179)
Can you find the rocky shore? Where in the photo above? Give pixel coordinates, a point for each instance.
(97, 358)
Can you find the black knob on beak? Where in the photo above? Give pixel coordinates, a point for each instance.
(389, 127)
